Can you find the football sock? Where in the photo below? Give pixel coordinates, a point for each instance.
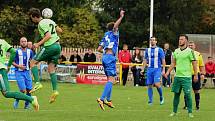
(160, 93)
(189, 102)
(53, 77)
(35, 73)
(107, 87)
(176, 102)
(110, 91)
(19, 96)
(26, 102)
(197, 99)
(150, 94)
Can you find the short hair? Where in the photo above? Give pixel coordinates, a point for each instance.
(184, 35)
(125, 44)
(110, 26)
(23, 38)
(34, 12)
(209, 57)
(191, 42)
(153, 37)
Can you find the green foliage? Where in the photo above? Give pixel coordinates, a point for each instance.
(171, 18)
(14, 24)
(81, 29)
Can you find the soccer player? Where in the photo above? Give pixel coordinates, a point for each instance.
(155, 58)
(183, 58)
(4, 83)
(109, 44)
(200, 70)
(23, 76)
(50, 51)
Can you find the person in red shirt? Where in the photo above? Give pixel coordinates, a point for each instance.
(210, 70)
(124, 57)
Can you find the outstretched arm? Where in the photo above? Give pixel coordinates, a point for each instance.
(116, 25)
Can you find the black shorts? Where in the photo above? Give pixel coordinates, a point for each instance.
(209, 75)
(196, 85)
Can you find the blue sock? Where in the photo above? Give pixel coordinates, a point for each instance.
(160, 93)
(26, 102)
(108, 85)
(150, 94)
(110, 91)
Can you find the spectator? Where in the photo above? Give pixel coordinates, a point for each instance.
(136, 58)
(90, 56)
(30, 46)
(75, 57)
(125, 57)
(168, 59)
(62, 59)
(210, 70)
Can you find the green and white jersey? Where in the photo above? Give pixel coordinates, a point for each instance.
(184, 60)
(47, 25)
(4, 47)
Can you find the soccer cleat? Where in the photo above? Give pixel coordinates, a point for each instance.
(190, 115)
(197, 108)
(15, 104)
(109, 104)
(101, 103)
(37, 86)
(173, 114)
(185, 107)
(35, 103)
(53, 96)
(149, 103)
(162, 101)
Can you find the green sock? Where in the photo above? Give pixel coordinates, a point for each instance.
(54, 80)
(19, 96)
(35, 73)
(176, 102)
(189, 102)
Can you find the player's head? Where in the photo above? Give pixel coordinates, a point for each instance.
(125, 47)
(23, 42)
(153, 41)
(110, 26)
(192, 45)
(183, 39)
(30, 44)
(166, 46)
(35, 15)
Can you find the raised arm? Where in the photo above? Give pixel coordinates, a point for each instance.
(116, 24)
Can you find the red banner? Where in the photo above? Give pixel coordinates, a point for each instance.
(90, 74)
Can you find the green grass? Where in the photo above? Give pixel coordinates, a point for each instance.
(78, 103)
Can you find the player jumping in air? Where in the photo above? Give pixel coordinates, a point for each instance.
(109, 45)
(50, 52)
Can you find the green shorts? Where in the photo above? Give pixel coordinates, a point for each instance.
(4, 83)
(49, 54)
(180, 83)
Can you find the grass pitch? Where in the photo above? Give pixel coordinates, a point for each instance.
(78, 103)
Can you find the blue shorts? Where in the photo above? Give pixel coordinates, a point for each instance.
(153, 75)
(109, 64)
(24, 80)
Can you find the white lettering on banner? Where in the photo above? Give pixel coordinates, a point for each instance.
(97, 77)
(93, 69)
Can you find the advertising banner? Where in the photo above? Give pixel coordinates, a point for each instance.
(90, 74)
